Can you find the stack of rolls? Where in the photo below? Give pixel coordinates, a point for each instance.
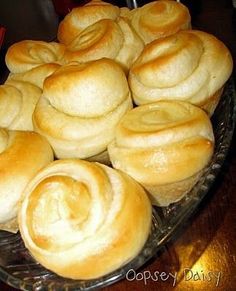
(72, 100)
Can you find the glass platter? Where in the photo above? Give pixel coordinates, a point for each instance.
(18, 269)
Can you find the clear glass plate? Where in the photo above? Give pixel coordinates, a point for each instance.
(18, 268)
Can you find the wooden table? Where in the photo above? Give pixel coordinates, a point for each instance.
(207, 245)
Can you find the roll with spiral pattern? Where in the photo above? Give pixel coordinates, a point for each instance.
(83, 220)
(83, 16)
(190, 66)
(33, 60)
(164, 146)
(159, 19)
(106, 38)
(28, 54)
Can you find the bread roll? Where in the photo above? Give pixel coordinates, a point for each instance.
(80, 107)
(17, 103)
(35, 76)
(81, 17)
(106, 38)
(22, 155)
(164, 146)
(77, 215)
(28, 54)
(159, 19)
(191, 66)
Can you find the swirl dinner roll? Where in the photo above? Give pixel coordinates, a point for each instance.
(22, 155)
(33, 61)
(83, 16)
(159, 19)
(190, 65)
(106, 38)
(17, 103)
(80, 107)
(28, 54)
(164, 146)
(83, 220)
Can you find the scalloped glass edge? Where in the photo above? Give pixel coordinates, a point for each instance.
(29, 275)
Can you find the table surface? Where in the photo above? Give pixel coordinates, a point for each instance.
(207, 245)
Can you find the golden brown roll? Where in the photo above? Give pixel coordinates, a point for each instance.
(28, 54)
(159, 19)
(83, 16)
(17, 103)
(106, 38)
(191, 65)
(22, 155)
(164, 146)
(77, 215)
(35, 76)
(80, 107)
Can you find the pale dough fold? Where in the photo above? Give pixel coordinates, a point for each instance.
(17, 103)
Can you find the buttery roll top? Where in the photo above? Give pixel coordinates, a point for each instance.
(17, 103)
(159, 19)
(106, 38)
(28, 54)
(189, 65)
(80, 106)
(162, 143)
(22, 155)
(81, 17)
(77, 215)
